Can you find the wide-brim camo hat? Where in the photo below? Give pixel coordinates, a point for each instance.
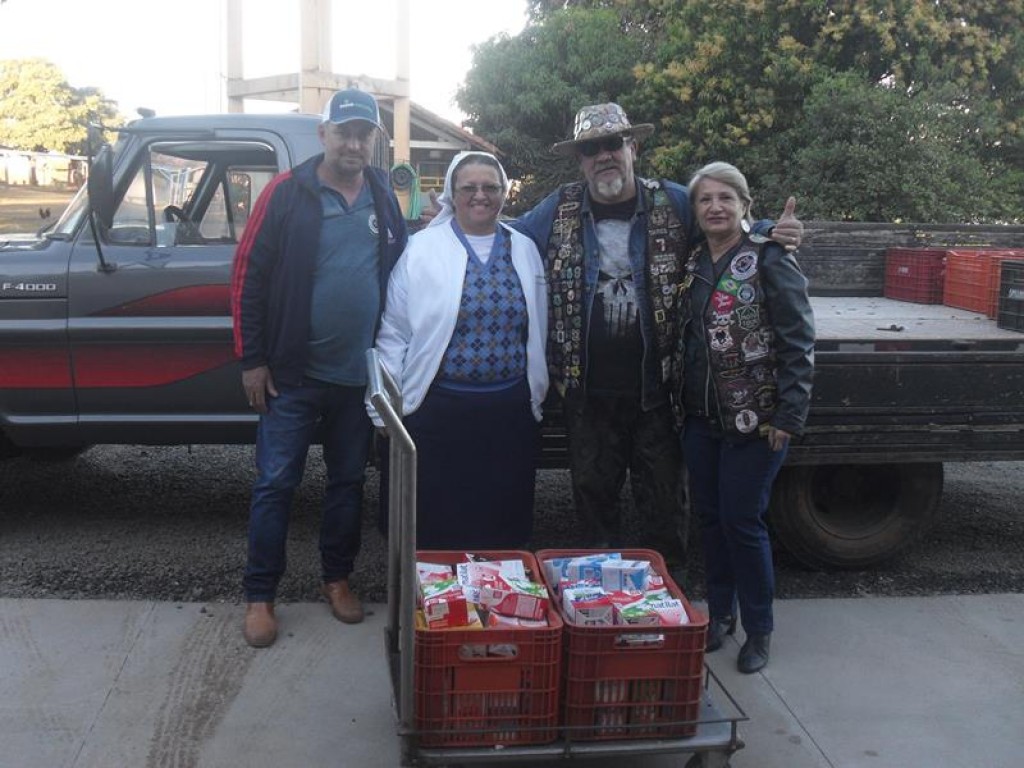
(599, 121)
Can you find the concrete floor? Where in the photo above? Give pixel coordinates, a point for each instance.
(873, 683)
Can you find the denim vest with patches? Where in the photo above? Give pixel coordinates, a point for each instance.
(740, 342)
(665, 252)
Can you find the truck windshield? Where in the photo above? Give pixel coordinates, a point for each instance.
(73, 214)
(77, 209)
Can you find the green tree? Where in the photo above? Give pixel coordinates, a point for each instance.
(523, 92)
(888, 156)
(730, 77)
(39, 111)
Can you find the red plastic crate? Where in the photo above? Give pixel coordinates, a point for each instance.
(972, 278)
(488, 687)
(632, 682)
(915, 274)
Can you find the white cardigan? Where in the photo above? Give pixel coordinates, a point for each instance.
(424, 296)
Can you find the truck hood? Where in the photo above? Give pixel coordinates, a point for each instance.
(21, 241)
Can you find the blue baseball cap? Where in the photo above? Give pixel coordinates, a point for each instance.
(351, 104)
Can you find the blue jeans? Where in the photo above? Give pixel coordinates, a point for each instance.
(293, 420)
(730, 487)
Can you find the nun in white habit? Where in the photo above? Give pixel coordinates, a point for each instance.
(463, 335)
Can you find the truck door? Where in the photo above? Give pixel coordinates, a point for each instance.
(151, 337)
(37, 404)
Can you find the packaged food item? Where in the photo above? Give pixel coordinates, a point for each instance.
(488, 650)
(638, 613)
(427, 572)
(473, 620)
(586, 567)
(671, 611)
(556, 569)
(588, 607)
(624, 575)
(444, 604)
(498, 620)
(513, 596)
(625, 597)
(473, 575)
(565, 584)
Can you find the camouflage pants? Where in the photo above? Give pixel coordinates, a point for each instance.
(608, 437)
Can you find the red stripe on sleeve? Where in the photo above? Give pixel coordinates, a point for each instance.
(242, 253)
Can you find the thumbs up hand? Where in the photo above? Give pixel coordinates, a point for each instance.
(789, 230)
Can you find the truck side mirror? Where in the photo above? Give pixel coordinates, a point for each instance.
(101, 185)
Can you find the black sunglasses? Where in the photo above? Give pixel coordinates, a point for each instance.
(611, 144)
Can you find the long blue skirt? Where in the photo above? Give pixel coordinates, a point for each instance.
(476, 468)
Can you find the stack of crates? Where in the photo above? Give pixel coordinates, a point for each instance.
(973, 278)
(1011, 296)
(915, 274)
(631, 682)
(490, 687)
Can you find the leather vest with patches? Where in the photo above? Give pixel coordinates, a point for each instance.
(666, 252)
(740, 343)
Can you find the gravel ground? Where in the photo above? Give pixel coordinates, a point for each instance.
(156, 523)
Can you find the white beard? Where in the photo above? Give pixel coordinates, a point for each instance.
(611, 189)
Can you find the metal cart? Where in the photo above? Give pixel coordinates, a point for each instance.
(716, 737)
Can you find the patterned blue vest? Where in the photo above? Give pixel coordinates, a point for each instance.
(488, 345)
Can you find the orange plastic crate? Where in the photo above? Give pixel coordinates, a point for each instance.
(632, 682)
(488, 687)
(915, 274)
(972, 278)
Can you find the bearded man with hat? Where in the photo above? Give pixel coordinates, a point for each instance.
(615, 246)
(307, 291)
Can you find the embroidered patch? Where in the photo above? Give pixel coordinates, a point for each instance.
(748, 317)
(746, 421)
(743, 265)
(722, 302)
(754, 346)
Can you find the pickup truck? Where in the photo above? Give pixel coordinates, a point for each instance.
(127, 337)
(115, 328)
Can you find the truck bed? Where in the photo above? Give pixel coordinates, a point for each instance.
(898, 381)
(873, 319)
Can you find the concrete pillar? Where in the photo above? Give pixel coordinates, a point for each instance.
(315, 53)
(234, 61)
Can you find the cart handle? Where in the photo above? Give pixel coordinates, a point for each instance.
(385, 396)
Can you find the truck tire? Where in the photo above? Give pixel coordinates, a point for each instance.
(853, 516)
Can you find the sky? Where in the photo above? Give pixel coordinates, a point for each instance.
(169, 56)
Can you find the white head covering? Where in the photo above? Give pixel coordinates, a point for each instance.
(447, 198)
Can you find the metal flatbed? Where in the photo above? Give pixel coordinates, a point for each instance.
(872, 319)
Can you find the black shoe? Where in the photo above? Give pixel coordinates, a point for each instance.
(754, 653)
(717, 630)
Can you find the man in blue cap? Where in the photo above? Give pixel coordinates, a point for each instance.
(308, 286)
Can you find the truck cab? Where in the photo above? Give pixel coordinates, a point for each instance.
(116, 327)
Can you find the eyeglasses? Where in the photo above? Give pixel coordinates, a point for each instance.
(611, 144)
(468, 190)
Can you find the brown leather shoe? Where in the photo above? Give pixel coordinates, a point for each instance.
(344, 604)
(260, 628)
